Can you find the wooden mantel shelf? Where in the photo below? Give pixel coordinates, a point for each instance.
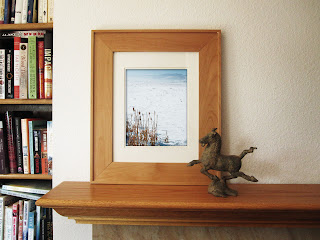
(257, 205)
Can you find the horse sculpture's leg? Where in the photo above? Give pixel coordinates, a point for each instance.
(204, 171)
(246, 177)
(245, 152)
(193, 162)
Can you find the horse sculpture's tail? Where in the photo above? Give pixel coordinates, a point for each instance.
(193, 162)
(245, 152)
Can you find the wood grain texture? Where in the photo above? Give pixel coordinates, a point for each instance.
(26, 101)
(27, 26)
(105, 43)
(26, 176)
(258, 205)
(101, 232)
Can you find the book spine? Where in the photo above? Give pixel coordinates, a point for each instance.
(50, 225)
(24, 189)
(35, 12)
(9, 74)
(23, 71)
(32, 63)
(48, 59)
(18, 138)
(13, 11)
(25, 145)
(26, 209)
(40, 11)
(24, 11)
(43, 225)
(2, 11)
(31, 225)
(8, 222)
(40, 48)
(49, 146)
(16, 77)
(45, 11)
(50, 11)
(30, 11)
(31, 147)
(2, 73)
(18, 12)
(15, 220)
(1, 218)
(20, 229)
(7, 9)
(30, 196)
(38, 225)
(36, 151)
(4, 168)
(44, 153)
(11, 146)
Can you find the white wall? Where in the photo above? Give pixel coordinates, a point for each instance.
(270, 81)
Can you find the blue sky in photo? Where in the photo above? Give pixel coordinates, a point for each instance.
(158, 74)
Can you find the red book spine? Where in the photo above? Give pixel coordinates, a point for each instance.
(15, 220)
(11, 146)
(16, 75)
(40, 48)
(20, 229)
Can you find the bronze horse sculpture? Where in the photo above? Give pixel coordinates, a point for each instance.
(211, 159)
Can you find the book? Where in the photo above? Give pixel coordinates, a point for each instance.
(37, 152)
(40, 66)
(34, 125)
(24, 11)
(29, 206)
(23, 89)
(30, 11)
(32, 186)
(18, 142)
(25, 144)
(43, 224)
(50, 11)
(18, 12)
(4, 201)
(1, 11)
(49, 224)
(16, 77)
(13, 11)
(49, 146)
(40, 11)
(9, 74)
(2, 73)
(31, 224)
(48, 59)
(4, 164)
(8, 222)
(45, 11)
(9, 35)
(20, 229)
(15, 220)
(31, 196)
(44, 151)
(13, 168)
(7, 10)
(32, 66)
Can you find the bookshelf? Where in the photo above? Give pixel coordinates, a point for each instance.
(40, 107)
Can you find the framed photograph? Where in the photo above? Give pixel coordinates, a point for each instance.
(154, 94)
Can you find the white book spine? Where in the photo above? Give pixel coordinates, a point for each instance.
(2, 2)
(2, 74)
(45, 11)
(40, 11)
(49, 146)
(26, 210)
(25, 149)
(23, 71)
(1, 218)
(18, 12)
(24, 11)
(8, 222)
(50, 11)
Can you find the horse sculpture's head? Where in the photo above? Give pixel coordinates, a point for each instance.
(211, 137)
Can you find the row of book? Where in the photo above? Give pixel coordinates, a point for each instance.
(25, 145)
(19, 217)
(26, 11)
(26, 64)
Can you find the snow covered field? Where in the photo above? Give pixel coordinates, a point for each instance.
(163, 91)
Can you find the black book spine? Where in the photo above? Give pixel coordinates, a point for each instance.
(43, 225)
(9, 74)
(4, 164)
(49, 225)
(11, 145)
(13, 11)
(18, 140)
(30, 11)
(37, 151)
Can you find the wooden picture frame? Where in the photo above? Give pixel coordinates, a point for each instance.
(104, 44)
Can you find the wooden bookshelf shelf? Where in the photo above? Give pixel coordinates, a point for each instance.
(27, 26)
(26, 176)
(295, 205)
(26, 101)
